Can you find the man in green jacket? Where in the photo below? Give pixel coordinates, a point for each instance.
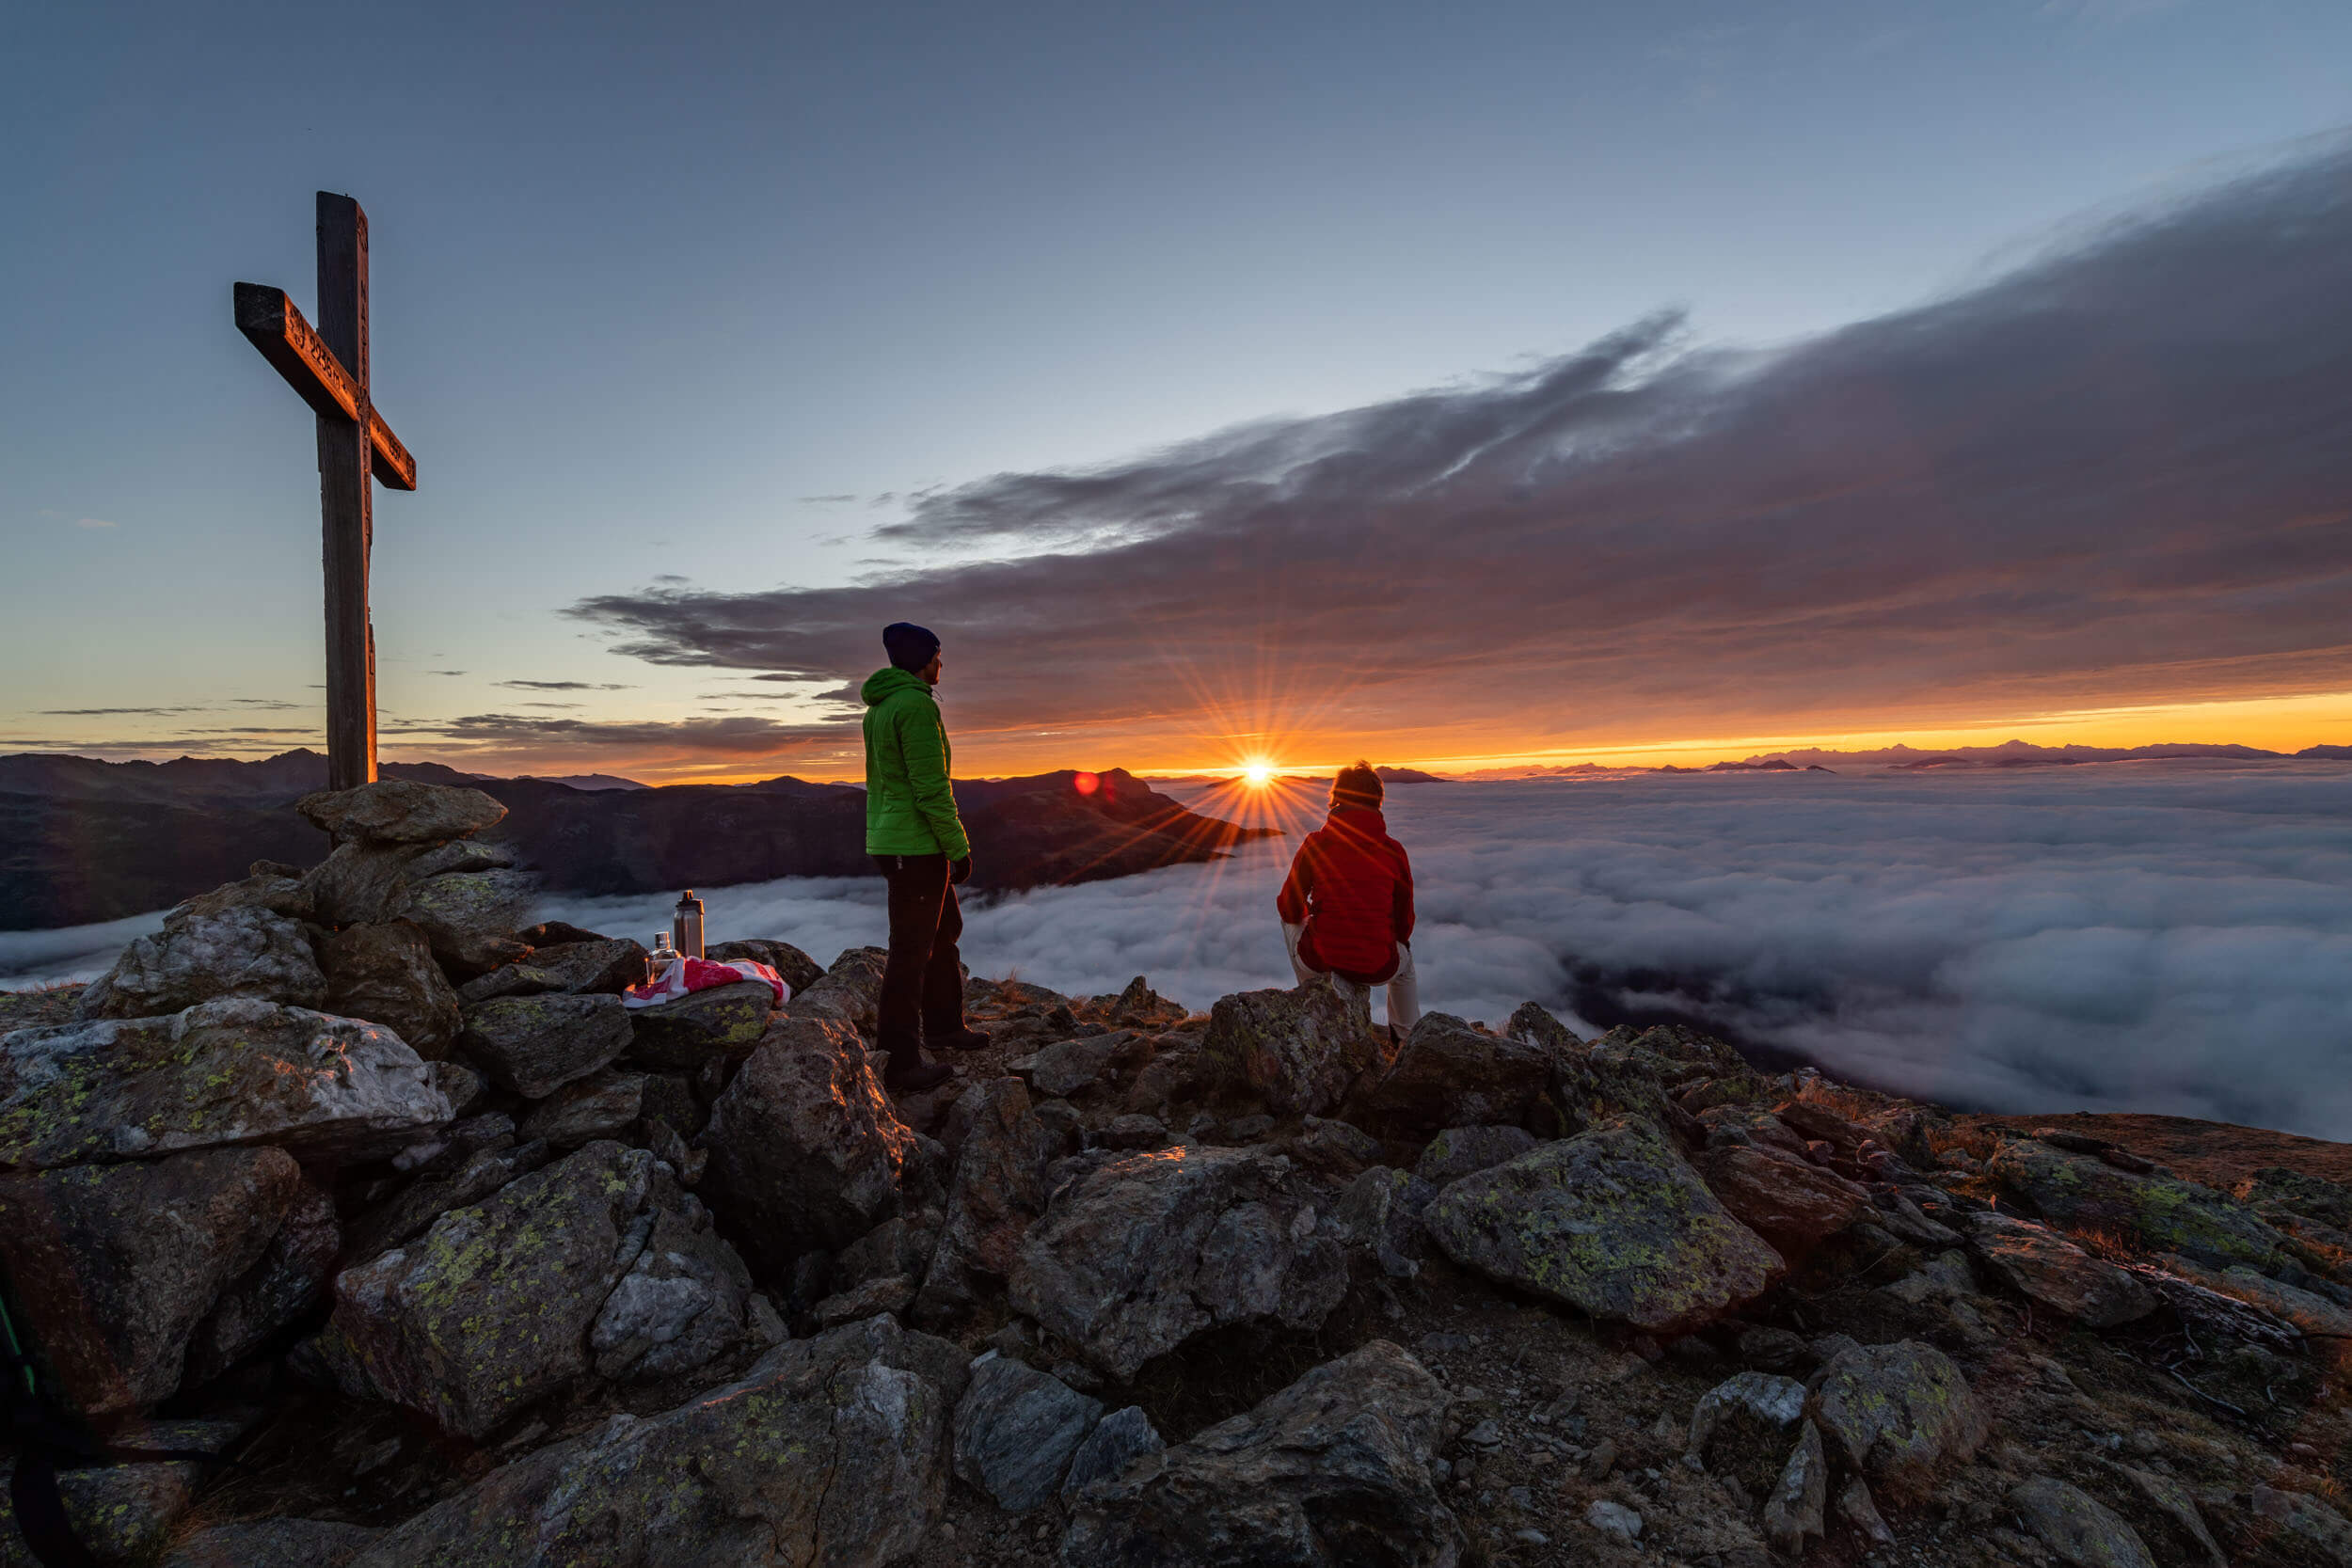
(916, 837)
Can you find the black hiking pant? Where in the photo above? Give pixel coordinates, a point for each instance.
(922, 991)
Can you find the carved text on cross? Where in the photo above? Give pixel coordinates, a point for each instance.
(329, 368)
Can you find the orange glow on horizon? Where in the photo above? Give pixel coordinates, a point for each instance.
(1313, 744)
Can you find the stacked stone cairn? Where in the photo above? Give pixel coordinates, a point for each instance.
(353, 1178)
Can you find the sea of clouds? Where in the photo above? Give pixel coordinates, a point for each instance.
(2169, 937)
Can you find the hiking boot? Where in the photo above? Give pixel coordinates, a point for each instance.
(915, 1076)
(962, 1038)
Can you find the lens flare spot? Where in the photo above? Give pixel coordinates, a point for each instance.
(1087, 784)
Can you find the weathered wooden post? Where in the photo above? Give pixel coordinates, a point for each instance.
(329, 368)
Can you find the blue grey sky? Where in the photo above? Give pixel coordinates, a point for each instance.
(710, 291)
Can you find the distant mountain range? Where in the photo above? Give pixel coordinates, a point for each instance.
(2021, 753)
(83, 840)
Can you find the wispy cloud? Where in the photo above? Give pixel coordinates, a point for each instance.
(2113, 475)
(92, 523)
(566, 686)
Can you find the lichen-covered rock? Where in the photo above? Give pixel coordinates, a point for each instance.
(795, 967)
(1460, 1151)
(118, 1266)
(461, 1177)
(471, 916)
(1016, 1428)
(245, 950)
(362, 883)
(1381, 1211)
(996, 1194)
(232, 1071)
(400, 811)
(2160, 1211)
(2076, 1527)
(1591, 1087)
(721, 1022)
(2054, 1270)
(601, 1105)
(1298, 1051)
(534, 1045)
(832, 1452)
(124, 1513)
(1611, 1222)
(1335, 1470)
(1901, 1413)
(384, 973)
(273, 1543)
(605, 966)
(1148, 1250)
(1791, 1203)
(599, 1260)
(1773, 1403)
(1117, 1440)
(1448, 1074)
(805, 1150)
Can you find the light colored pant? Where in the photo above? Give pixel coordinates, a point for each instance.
(1404, 985)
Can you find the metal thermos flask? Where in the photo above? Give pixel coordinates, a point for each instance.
(686, 925)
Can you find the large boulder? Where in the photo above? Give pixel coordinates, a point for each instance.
(832, 1452)
(278, 1291)
(1460, 1151)
(470, 917)
(849, 993)
(604, 1105)
(1612, 1222)
(124, 1514)
(1300, 1051)
(1591, 1087)
(2158, 1211)
(1788, 1201)
(1337, 1468)
(243, 950)
(400, 811)
(805, 1152)
(1902, 1415)
(1448, 1074)
(1146, 1251)
(725, 1021)
(120, 1267)
(534, 1045)
(233, 1070)
(598, 1262)
(362, 883)
(1381, 1211)
(2041, 1263)
(1017, 1430)
(2077, 1527)
(603, 965)
(996, 1194)
(384, 972)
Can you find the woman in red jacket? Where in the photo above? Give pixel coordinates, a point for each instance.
(1347, 906)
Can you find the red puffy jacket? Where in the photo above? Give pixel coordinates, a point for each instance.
(1352, 887)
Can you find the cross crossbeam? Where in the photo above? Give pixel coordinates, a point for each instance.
(328, 369)
(275, 326)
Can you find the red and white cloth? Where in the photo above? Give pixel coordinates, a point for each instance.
(692, 975)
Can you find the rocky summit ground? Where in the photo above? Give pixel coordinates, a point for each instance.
(451, 1259)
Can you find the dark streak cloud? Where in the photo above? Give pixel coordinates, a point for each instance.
(741, 737)
(2117, 474)
(566, 686)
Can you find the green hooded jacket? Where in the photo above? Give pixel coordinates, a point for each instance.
(910, 806)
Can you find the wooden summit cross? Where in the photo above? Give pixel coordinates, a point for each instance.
(329, 368)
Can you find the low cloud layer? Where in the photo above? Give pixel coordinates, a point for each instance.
(2167, 937)
(2115, 475)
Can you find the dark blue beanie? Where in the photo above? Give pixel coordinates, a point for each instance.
(910, 646)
